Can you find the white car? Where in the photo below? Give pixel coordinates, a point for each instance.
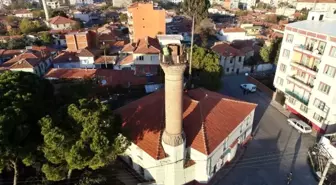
(300, 125)
(249, 87)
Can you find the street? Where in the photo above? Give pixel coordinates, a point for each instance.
(276, 149)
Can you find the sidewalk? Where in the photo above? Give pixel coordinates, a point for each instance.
(280, 108)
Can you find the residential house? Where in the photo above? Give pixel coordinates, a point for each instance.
(306, 72)
(231, 59)
(6, 54)
(196, 131)
(86, 15)
(23, 13)
(5, 3)
(61, 23)
(59, 40)
(145, 20)
(53, 4)
(231, 34)
(251, 30)
(66, 59)
(112, 77)
(141, 56)
(82, 2)
(87, 58)
(316, 5)
(219, 10)
(121, 3)
(35, 59)
(105, 62)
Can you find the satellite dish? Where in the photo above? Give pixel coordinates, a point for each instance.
(103, 82)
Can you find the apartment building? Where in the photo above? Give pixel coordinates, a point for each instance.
(306, 74)
(145, 20)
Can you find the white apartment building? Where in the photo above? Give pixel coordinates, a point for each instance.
(306, 74)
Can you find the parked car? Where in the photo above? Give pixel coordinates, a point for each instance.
(300, 125)
(249, 87)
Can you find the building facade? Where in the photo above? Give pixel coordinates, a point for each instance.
(319, 5)
(305, 76)
(145, 20)
(231, 34)
(121, 3)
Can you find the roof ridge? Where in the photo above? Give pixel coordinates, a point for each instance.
(240, 101)
(203, 130)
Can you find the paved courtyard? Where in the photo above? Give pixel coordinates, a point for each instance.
(276, 148)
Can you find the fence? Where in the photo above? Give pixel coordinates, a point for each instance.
(269, 92)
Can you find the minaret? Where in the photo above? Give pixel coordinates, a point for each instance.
(173, 138)
(45, 8)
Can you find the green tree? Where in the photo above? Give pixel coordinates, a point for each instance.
(197, 8)
(78, 25)
(206, 68)
(265, 52)
(55, 13)
(26, 26)
(241, 13)
(24, 99)
(81, 135)
(46, 38)
(123, 17)
(11, 19)
(270, 54)
(16, 44)
(14, 31)
(38, 14)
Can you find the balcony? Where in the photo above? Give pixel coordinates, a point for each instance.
(297, 97)
(310, 69)
(307, 85)
(309, 50)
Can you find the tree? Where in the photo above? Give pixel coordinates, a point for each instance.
(11, 19)
(241, 13)
(46, 38)
(197, 8)
(26, 26)
(39, 14)
(78, 25)
(123, 17)
(82, 135)
(24, 99)
(14, 31)
(270, 54)
(55, 13)
(271, 18)
(16, 44)
(207, 68)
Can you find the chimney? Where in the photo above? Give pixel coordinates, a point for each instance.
(45, 8)
(173, 133)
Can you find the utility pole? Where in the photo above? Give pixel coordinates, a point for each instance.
(191, 48)
(325, 171)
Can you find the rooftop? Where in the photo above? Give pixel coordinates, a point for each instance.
(112, 77)
(326, 27)
(145, 45)
(61, 20)
(225, 49)
(208, 118)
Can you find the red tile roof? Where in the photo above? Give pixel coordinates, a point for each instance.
(25, 63)
(113, 77)
(208, 119)
(108, 59)
(20, 57)
(127, 60)
(146, 45)
(230, 30)
(88, 53)
(61, 20)
(9, 52)
(226, 50)
(66, 57)
(22, 11)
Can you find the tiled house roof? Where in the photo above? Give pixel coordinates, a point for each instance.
(226, 50)
(146, 45)
(208, 118)
(61, 20)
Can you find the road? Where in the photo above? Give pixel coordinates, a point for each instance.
(276, 148)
